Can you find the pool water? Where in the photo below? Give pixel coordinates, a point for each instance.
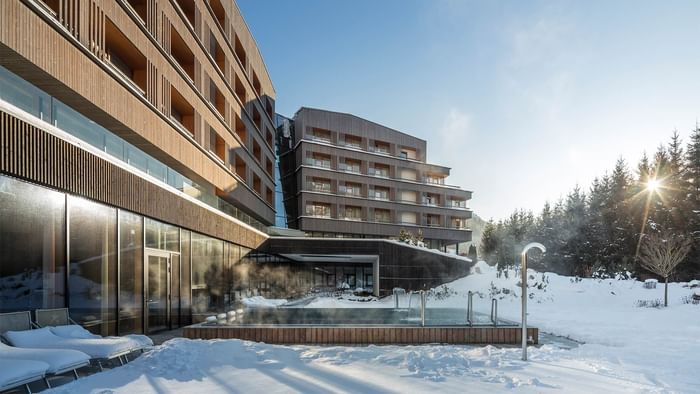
(361, 316)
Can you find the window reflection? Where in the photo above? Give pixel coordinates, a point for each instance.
(32, 246)
(93, 269)
(207, 275)
(130, 273)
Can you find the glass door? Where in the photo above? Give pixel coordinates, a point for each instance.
(158, 291)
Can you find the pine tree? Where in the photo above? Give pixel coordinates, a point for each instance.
(489, 242)
(692, 202)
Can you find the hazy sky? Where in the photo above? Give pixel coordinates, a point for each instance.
(523, 99)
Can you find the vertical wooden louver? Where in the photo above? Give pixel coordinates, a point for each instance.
(95, 39)
(30, 153)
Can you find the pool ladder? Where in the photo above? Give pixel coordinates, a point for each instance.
(470, 310)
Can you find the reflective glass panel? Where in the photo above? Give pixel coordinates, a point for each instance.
(130, 273)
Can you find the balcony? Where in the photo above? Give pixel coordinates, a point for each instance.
(320, 187)
(319, 211)
(461, 204)
(181, 111)
(381, 149)
(351, 168)
(378, 172)
(188, 8)
(354, 191)
(382, 195)
(125, 57)
(318, 162)
(181, 52)
(433, 180)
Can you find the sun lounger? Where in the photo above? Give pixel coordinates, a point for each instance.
(16, 373)
(59, 361)
(62, 325)
(23, 336)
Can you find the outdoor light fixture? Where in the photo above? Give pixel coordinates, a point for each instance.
(523, 283)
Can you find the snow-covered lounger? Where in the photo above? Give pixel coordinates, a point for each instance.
(15, 373)
(59, 361)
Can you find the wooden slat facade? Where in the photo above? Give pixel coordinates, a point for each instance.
(63, 51)
(364, 335)
(30, 153)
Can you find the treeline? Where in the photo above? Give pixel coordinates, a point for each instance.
(596, 232)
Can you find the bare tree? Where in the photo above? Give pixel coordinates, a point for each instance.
(661, 252)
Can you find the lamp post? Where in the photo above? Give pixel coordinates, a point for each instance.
(523, 283)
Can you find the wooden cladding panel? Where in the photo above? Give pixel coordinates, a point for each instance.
(31, 153)
(354, 335)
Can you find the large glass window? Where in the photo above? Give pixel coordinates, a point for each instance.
(130, 273)
(32, 246)
(93, 265)
(162, 236)
(207, 275)
(185, 276)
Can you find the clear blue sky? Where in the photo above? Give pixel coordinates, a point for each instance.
(523, 99)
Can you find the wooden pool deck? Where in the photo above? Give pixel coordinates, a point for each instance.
(363, 335)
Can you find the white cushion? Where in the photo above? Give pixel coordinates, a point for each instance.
(14, 372)
(73, 331)
(28, 338)
(95, 347)
(58, 360)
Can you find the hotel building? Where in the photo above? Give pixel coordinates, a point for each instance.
(138, 171)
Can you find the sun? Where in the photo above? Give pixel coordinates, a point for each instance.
(653, 185)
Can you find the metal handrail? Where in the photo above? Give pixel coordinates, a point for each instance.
(494, 312)
(422, 308)
(470, 309)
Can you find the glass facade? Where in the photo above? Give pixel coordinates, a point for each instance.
(36, 102)
(130, 273)
(92, 282)
(32, 246)
(125, 273)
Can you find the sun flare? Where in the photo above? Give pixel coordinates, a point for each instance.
(653, 185)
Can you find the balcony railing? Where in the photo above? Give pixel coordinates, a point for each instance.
(349, 191)
(318, 162)
(379, 149)
(380, 172)
(457, 204)
(434, 180)
(319, 187)
(319, 138)
(354, 169)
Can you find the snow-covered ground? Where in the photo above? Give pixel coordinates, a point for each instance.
(626, 349)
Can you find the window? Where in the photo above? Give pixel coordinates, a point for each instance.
(130, 273)
(382, 215)
(240, 129)
(380, 147)
(188, 8)
(350, 189)
(162, 236)
(458, 203)
(241, 167)
(350, 165)
(207, 276)
(257, 184)
(353, 213)
(404, 154)
(408, 218)
(320, 135)
(257, 152)
(459, 223)
(268, 197)
(318, 210)
(256, 84)
(431, 199)
(239, 51)
(380, 193)
(268, 166)
(380, 170)
(408, 174)
(125, 56)
(216, 52)
(139, 6)
(320, 185)
(32, 246)
(239, 89)
(319, 160)
(217, 145)
(181, 52)
(93, 265)
(181, 111)
(432, 220)
(353, 141)
(434, 179)
(217, 99)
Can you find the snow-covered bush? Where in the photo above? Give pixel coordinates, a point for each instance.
(657, 303)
